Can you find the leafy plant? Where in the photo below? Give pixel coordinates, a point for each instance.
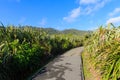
(103, 48)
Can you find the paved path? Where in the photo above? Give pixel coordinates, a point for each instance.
(64, 67)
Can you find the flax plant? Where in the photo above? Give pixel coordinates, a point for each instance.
(104, 51)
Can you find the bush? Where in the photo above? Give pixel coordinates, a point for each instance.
(23, 50)
(103, 49)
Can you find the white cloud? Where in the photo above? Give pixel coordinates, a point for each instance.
(99, 4)
(90, 6)
(88, 1)
(88, 10)
(116, 11)
(114, 20)
(43, 22)
(72, 15)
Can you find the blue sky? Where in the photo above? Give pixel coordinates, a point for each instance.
(60, 14)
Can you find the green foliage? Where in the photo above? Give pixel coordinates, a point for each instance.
(75, 32)
(23, 50)
(67, 31)
(103, 49)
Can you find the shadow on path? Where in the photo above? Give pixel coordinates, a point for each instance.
(65, 67)
(52, 71)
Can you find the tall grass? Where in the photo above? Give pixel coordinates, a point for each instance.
(23, 50)
(103, 49)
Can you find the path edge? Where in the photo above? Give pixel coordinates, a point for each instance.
(81, 67)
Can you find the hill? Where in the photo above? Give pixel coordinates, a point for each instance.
(51, 30)
(74, 31)
(67, 31)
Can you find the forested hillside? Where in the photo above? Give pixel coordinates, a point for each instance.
(66, 31)
(76, 32)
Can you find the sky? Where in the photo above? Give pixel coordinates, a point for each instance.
(60, 14)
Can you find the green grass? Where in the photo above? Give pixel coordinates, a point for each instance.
(86, 68)
(23, 50)
(103, 52)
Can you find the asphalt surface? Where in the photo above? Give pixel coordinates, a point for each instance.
(65, 67)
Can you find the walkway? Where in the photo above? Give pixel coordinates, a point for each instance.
(65, 67)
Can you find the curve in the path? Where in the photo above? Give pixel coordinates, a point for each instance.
(65, 67)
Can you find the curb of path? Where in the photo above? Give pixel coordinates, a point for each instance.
(82, 72)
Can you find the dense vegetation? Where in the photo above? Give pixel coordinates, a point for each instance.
(102, 54)
(76, 32)
(67, 31)
(23, 50)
